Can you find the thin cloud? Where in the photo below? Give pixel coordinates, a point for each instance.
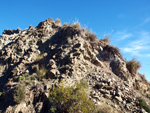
(146, 21)
(122, 35)
(139, 47)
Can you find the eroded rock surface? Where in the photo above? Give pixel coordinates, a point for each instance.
(48, 53)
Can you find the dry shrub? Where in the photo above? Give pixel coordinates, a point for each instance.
(133, 66)
(58, 21)
(91, 37)
(76, 26)
(106, 40)
(112, 51)
(66, 25)
(41, 72)
(19, 94)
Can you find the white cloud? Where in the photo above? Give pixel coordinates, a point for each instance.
(121, 35)
(148, 55)
(140, 46)
(147, 20)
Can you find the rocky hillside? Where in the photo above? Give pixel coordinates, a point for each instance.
(34, 60)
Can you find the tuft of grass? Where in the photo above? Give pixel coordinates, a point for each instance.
(106, 39)
(19, 94)
(58, 21)
(133, 66)
(143, 104)
(41, 72)
(69, 99)
(66, 24)
(76, 26)
(91, 36)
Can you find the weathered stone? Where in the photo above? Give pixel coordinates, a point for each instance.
(118, 98)
(104, 91)
(107, 96)
(53, 73)
(70, 55)
(38, 107)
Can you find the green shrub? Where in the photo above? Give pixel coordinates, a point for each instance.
(143, 104)
(19, 94)
(1, 93)
(148, 96)
(69, 99)
(133, 66)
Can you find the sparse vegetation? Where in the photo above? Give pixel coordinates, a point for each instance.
(65, 24)
(41, 72)
(91, 37)
(69, 99)
(1, 93)
(19, 94)
(148, 96)
(143, 104)
(106, 39)
(111, 52)
(76, 26)
(58, 21)
(50, 19)
(133, 66)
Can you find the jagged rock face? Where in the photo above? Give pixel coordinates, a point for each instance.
(67, 54)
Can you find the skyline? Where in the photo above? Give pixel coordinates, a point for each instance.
(127, 23)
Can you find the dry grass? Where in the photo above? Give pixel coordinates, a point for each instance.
(76, 26)
(58, 21)
(133, 66)
(41, 72)
(92, 37)
(19, 94)
(106, 40)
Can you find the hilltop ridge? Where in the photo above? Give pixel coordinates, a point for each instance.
(39, 57)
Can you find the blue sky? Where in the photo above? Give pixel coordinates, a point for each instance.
(126, 22)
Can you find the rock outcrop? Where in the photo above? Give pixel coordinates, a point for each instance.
(42, 56)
